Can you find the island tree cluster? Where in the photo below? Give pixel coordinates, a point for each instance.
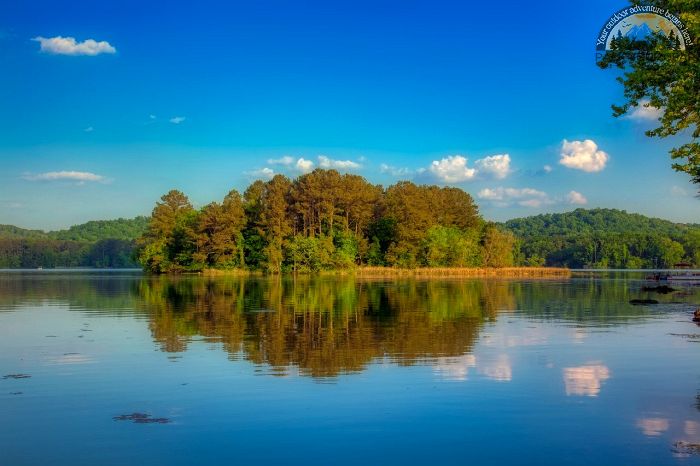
(323, 220)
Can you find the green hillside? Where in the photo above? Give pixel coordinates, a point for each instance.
(605, 238)
(587, 221)
(121, 228)
(102, 243)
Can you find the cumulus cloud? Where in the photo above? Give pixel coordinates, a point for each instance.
(65, 175)
(525, 197)
(576, 198)
(455, 168)
(177, 120)
(304, 166)
(497, 166)
(452, 169)
(583, 155)
(265, 173)
(69, 46)
(547, 169)
(645, 111)
(300, 165)
(325, 162)
(89, 129)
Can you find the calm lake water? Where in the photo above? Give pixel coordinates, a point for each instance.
(117, 368)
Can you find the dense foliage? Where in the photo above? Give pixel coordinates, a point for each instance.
(320, 221)
(106, 243)
(605, 238)
(657, 73)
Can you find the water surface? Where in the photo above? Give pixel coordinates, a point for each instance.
(115, 368)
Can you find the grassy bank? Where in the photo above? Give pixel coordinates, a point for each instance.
(424, 272)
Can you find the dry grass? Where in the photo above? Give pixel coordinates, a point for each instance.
(505, 272)
(424, 272)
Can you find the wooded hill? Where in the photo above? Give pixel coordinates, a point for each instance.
(605, 238)
(104, 243)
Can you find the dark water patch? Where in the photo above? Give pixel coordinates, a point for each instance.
(16, 393)
(16, 376)
(663, 289)
(142, 418)
(637, 302)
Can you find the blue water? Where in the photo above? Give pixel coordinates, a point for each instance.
(342, 371)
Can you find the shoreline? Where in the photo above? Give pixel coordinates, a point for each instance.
(423, 272)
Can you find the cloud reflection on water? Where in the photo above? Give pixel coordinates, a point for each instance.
(585, 380)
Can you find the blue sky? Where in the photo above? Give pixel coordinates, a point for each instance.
(207, 96)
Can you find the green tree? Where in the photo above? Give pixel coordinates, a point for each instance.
(656, 73)
(497, 247)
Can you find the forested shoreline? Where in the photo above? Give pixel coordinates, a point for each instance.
(327, 221)
(320, 221)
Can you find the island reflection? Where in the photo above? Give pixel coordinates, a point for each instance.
(323, 327)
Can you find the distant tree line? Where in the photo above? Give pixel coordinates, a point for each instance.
(51, 253)
(323, 220)
(605, 238)
(104, 243)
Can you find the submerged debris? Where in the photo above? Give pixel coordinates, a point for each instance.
(16, 376)
(686, 448)
(692, 336)
(659, 289)
(643, 301)
(142, 418)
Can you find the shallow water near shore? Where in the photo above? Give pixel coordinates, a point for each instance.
(115, 368)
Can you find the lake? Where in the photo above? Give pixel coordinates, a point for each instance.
(116, 368)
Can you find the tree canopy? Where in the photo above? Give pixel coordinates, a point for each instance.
(323, 220)
(658, 74)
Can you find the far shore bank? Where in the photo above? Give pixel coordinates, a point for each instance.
(423, 272)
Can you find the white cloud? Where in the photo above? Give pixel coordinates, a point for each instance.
(394, 171)
(497, 166)
(151, 117)
(301, 164)
(576, 198)
(547, 169)
(65, 176)
(526, 197)
(177, 120)
(286, 160)
(263, 173)
(644, 111)
(678, 191)
(452, 169)
(583, 155)
(69, 46)
(455, 169)
(89, 129)
(325, 162)
(304, 166)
